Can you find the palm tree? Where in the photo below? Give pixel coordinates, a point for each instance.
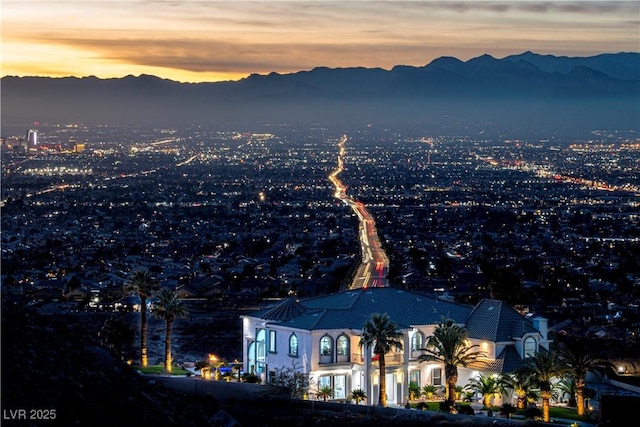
(486, 385)
(236, 368)
(543, 368)
(205, 369)
(169, 308)
(429, 390)
(215, 368)
(383, 334)
(578, 357)
(567, 386)
(358, 395)
(144, 285)
(449, 346)
(521, 385)
(325, 392)
(459, 390)
(414, 391)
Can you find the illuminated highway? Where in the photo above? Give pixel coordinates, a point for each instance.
(374, 265)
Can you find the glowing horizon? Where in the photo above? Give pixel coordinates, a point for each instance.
(205, 41)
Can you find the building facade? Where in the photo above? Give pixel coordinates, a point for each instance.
(320, 337)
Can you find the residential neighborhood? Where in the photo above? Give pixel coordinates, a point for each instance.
(249, 223)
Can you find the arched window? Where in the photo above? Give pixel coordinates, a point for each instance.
(260, 344)
(260, 350)
(342, 345)
(293, 345)
(251, 355)
(417, 341)
(272, 341)
(326, 345)
(530, 347)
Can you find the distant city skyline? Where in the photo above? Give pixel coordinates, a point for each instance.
(195, 41)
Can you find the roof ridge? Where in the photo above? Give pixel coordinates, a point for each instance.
(287, 309)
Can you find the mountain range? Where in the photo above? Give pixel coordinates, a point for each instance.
(524, 91)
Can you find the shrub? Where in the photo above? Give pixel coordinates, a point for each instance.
(414, 391)
(466, 410)
(468, 396)
(251, 378)
(201, 364)
(507, 409)
(292, 381)
(447, 406)
(532, 412)
(429, 391)
(422, 406)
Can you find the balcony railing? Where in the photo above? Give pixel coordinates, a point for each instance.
(390, 359)
(417, 353)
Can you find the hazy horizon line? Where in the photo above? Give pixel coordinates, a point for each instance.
(313, 68)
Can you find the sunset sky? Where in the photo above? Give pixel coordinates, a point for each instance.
(198, 40)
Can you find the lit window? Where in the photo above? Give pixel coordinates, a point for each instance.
(325, 345)
(343, 345)
(414, 377)
(260, 345)
(272, 341)
(530, 347)
(324, 381)
(436, 376)
(417, 341)
(293, 345)
(340, 387)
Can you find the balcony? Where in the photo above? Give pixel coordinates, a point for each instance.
(416, 353)
(339, 359)
(391, 359)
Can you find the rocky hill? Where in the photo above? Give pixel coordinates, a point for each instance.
(55, 366)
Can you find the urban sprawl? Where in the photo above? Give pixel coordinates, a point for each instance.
(236, 217)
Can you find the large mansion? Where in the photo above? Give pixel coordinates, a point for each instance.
(320, 336)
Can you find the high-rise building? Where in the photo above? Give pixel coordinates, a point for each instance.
(32, 138)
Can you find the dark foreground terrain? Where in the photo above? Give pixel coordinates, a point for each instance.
(55, 367)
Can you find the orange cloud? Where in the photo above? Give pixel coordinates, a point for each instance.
(200, 40)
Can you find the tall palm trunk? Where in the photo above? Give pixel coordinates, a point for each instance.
(382, 398)
(167, 346)
(546, 397)
(451, 389)
(486, 401)
(451, 372)
(580, 397)
(521, 401)
(143, 331)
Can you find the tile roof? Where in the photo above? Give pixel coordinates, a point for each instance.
(507, 362)
(285, 311)
(350, 309)
(493, 320)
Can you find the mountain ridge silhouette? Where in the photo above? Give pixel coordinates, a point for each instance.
(532, 89)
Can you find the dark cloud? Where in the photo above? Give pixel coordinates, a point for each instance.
(579, 7)
(237, 57)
